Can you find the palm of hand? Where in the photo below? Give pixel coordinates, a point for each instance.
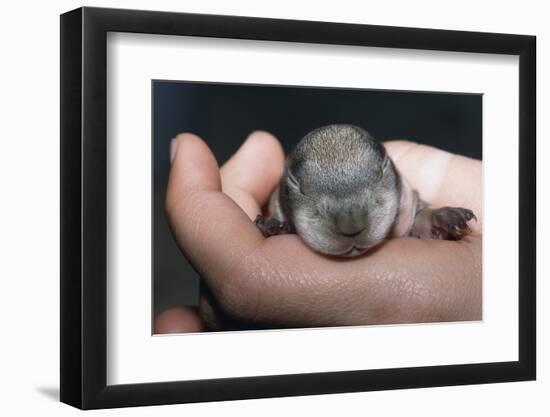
(281, 282)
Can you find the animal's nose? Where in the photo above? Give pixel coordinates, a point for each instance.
(350, 222)
(353, 234)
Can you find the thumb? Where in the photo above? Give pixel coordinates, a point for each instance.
(194, 168)
(212, 231)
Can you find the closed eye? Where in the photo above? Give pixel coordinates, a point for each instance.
(294, 183)
(386, 162)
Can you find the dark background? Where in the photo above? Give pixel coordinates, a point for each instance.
(224, 114)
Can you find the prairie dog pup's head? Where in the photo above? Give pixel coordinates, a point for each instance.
(340, 190)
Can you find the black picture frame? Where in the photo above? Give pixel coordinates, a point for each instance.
(83, 207)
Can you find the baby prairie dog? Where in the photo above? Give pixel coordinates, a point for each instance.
(341, 193)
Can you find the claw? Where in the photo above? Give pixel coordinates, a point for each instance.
(452, 222)
(469, 215)
(271, 227)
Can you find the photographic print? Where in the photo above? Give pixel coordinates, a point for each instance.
(299, 207)
(257, 208)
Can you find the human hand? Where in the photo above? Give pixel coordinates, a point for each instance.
(281, 282)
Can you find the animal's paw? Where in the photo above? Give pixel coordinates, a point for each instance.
(271, 227)
(451, 223)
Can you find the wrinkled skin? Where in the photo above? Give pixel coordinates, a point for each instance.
(280, 282)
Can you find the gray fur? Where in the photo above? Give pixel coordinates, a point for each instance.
(339, 191)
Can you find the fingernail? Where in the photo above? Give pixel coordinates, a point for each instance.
(173, 148)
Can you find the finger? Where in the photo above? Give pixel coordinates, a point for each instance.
(194, 167)
(179, 320)
(423, 167)
(441, 178)
(253, 172)
(210, 228)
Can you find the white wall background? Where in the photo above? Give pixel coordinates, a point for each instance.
(29, 225)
